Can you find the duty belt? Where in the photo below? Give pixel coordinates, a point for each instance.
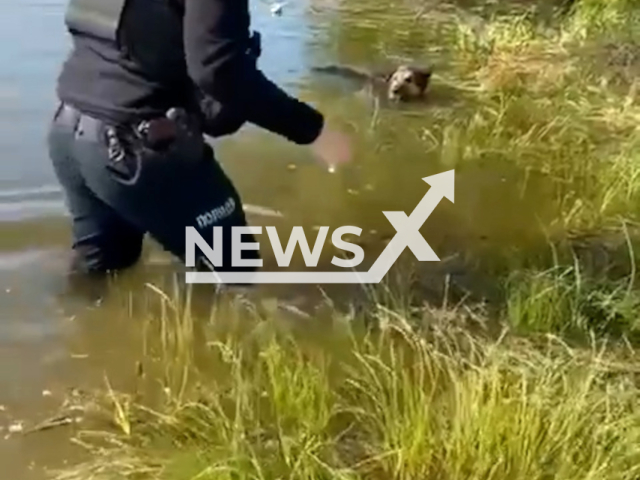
(155, 133)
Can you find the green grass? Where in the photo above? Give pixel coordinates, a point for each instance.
(538, 384)
(560, 301)
(438, 404)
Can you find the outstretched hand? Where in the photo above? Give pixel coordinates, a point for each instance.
(332, 147)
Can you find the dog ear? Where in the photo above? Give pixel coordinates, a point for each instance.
(385, 75)
(423, 76)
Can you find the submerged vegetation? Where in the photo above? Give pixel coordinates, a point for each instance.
(537, 382)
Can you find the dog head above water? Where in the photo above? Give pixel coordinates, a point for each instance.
(408, 83)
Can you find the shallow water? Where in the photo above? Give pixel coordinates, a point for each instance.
(49, 341)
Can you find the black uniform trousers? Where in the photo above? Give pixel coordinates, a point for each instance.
(113, 204)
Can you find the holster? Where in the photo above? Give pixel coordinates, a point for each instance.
(160, 133)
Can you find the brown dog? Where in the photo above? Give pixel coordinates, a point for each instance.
(405, 83)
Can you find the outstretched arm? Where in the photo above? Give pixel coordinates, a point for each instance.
(216, 38)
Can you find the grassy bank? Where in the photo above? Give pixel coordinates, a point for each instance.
(418, 398)
(540, 383)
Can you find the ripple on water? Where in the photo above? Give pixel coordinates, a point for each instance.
(28, 258)
(22, 204)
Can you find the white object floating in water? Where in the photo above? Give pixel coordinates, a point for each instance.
(276, 8)
(258, 210)
(16, 427)
(332, 169)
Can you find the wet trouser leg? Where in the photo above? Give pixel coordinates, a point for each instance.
(114, 204)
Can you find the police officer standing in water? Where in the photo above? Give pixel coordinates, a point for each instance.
(143, 84)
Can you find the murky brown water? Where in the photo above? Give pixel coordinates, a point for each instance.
(50, 341)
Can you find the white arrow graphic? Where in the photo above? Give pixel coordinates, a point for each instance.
(407, 235)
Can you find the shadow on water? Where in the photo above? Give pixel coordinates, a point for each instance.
(51, 340)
